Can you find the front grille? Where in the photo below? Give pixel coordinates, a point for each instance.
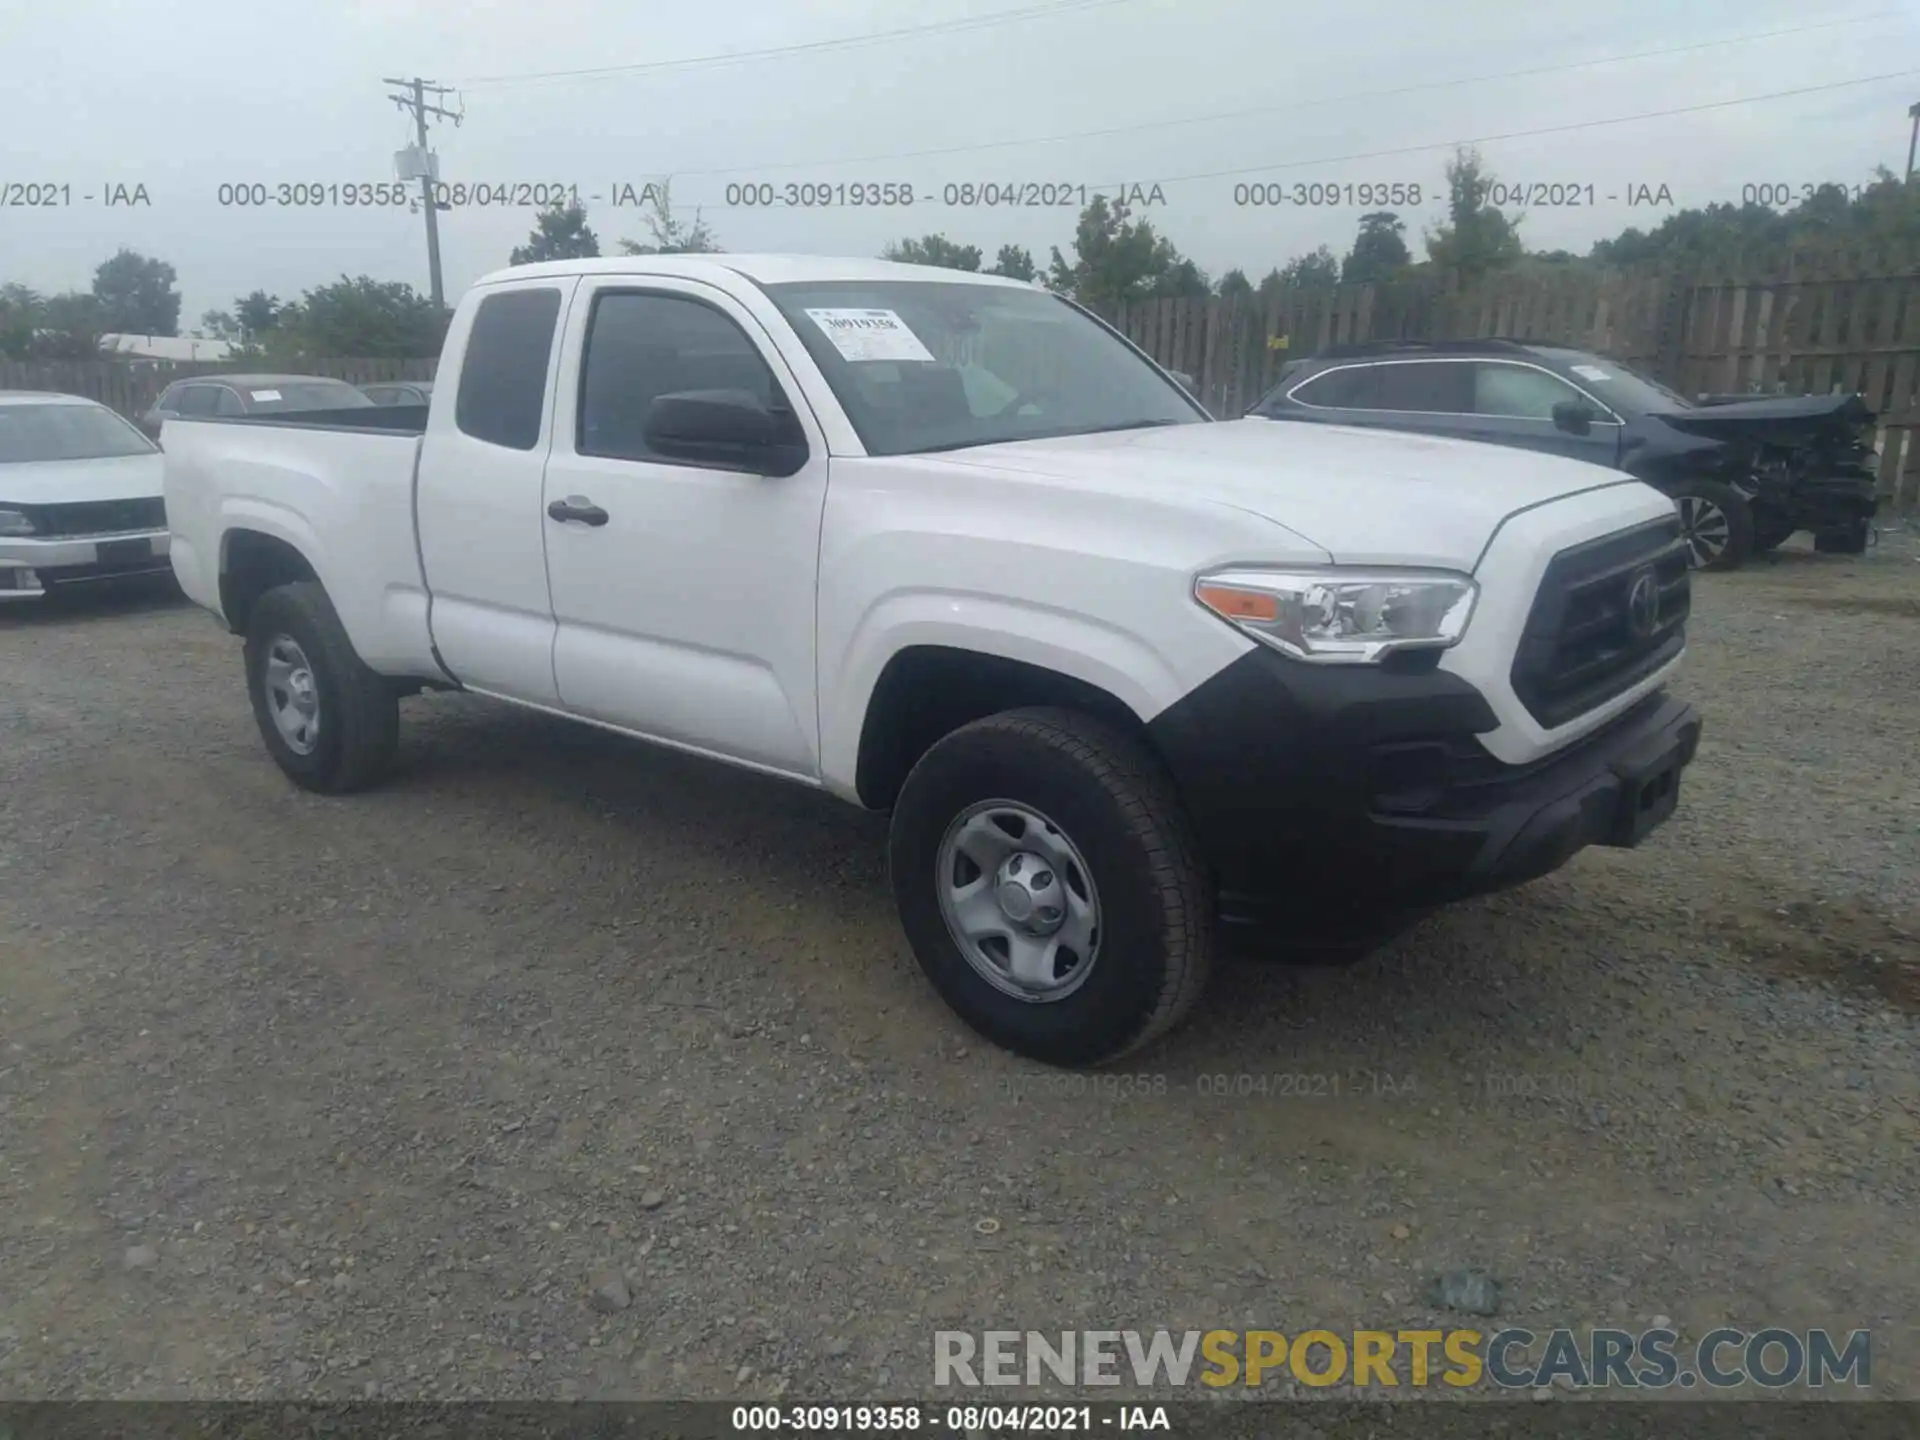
(98, 517)
(1580, 648)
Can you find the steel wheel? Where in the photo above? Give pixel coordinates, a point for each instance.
(292, 697)
(1019, 901)
(1706, 529)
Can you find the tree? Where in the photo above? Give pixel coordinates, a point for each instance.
(1272, 288)
(1378, 250)
(934, 250)
(1810, 219)
(358, 316)
(559, 233)
(1182, 280)
(1235, 287)
(48, 327)
(1015, 262)
(1117, 259)
(1476, 237)
(668, 235)
(1317, 270)
(19, 319)
(137, 295)
(71, 326)
(247, 323)
(257, 314)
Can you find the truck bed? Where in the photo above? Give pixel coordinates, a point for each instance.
(336, 486)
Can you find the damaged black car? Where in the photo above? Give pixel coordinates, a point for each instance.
(1745, 472)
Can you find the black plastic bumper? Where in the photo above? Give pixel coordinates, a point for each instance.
(1338, 800)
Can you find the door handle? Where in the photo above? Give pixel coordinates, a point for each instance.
(577, 507)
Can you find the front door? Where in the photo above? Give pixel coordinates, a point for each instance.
(1513, 405)
(683, 594)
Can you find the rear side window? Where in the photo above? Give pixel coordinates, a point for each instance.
(1349, 388)
(1424, 386)
(196, 400)
(503, 378)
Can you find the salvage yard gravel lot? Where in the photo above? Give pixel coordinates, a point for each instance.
(563, 1067)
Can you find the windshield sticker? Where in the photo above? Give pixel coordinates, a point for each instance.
(264, 394)
(868, 335)
(1590, 372)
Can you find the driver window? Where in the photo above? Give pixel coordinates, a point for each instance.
(1518, 392)
(643, 346)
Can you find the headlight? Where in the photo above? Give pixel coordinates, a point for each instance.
(1350, 617)
(12, 522)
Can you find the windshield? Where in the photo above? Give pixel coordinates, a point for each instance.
(1624, 390)
(923, 366)
(282, 395)
(66, 432)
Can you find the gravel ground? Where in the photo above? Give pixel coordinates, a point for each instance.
(561, 1067)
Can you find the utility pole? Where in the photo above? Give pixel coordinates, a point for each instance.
(415, 100)
(1913, 139)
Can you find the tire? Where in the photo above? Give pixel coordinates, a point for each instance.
(1722, 544)
(1112, 828)
(357, 711)
(1850, 541)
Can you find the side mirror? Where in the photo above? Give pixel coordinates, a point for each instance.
(1573, 416)
(730, 429)
(1186, 380)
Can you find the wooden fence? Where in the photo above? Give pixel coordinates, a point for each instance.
(1804, 330)
(1776, 336)
(131, 386)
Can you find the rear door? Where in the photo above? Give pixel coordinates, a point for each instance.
(481, 527)
(686, 613)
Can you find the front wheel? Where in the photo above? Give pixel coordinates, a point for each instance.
(330, 723)
(1716, 522)
(1050, 888)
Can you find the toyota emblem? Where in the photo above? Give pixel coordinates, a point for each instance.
(1643, 604)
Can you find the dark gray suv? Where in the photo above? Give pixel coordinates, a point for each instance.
(1745, 472)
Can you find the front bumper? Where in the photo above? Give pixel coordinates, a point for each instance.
(1833, 501)
(28, 562)
(1337, 801)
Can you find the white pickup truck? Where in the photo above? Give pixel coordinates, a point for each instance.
(948, 546)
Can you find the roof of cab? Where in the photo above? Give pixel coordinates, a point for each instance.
(764, 269)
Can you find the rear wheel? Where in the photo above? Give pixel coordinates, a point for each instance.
(1717, 524)
(1050, 888)
(330, 723)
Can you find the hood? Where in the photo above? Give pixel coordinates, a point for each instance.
(63, 482)
(1776, 419)
(1363, 496)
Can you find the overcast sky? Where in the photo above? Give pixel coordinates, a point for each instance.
(183, 99)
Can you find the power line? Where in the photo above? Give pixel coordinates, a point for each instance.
(735, 57)
(1521, 134)
(1139, 128)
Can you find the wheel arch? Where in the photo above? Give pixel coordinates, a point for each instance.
(927, 691)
